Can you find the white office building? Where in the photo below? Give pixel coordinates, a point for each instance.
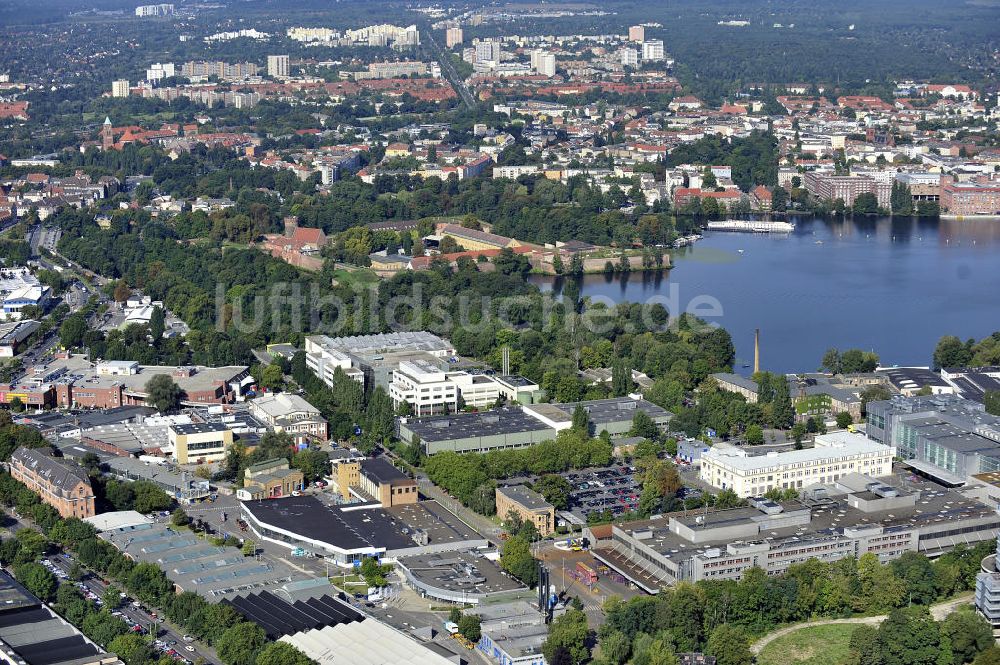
(652, 50)
(277, 66)
(428, 390)
(729, 467)
(323, 360)
(120, 88)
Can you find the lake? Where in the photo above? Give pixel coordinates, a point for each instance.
(894, 286)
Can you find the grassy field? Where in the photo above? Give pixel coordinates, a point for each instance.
(819, 645)
(354, 277)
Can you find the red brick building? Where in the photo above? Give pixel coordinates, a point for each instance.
(62, 484)
(970, 198)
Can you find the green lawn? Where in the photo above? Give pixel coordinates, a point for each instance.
(819, 645)
(356, 277)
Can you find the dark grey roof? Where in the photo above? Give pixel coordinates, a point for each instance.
(62, 474)
(278, 617)
(381, 471)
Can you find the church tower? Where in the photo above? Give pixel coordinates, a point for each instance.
(107, 137)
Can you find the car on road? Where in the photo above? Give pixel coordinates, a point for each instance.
(189, 648)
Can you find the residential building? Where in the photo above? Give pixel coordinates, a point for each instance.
(830, 187)
(269, 480)
(528, 505)
(199, 443)
(834, 455)
(277, 66)
(488, 50)
(637, 34)
(453, 37)
(62, 484)
(629, 57)
(154, 10)
(223, 70)
(159, 71)
(120, 88)
(543, 62)
(286, 412)
(652, 50)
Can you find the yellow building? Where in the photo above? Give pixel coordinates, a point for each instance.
(199, 443)
(527, 504)
(475, 240)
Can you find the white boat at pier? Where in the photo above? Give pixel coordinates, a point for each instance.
(751, 226)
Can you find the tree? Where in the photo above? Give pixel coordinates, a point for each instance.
(952, 352)
(470, 627)
(754, 435)
(783, 412)
(180, 518)
(568, 633)
(909, 636)
(874, 393)
(374, 572)
(865, 204)
(132, 649)
(282, 653)
(516, 559)
(240, 644)
(157, 323)
(162, 393)
(779, 199)
(581, 420)
(122, 292)
(844, 419)
(991, 400)
(249, 548)
(616, 647)
(969, 634)
(72, 330)
(36, 579)
(272, 377)
(990, 656)
(555, 489)
(643, 425)
(621, 378)
(831, 361)
(112, 597)
(729, 646)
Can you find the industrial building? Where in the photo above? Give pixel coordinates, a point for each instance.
(31, 632)
(521, 426)
(346, 534)
(945, 437)
(834, 455)
(468, 578)
(847, 518)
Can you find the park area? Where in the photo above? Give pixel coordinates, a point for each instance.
(818, 645)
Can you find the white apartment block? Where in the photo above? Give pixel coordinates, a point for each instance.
(312, 34)
(159, 71)
(277, 66)
(630, 57)
(121, 88)
(155, 10)
(453, 37)
(543, 62)
(488, 51)
(652, 50)
(728, 467)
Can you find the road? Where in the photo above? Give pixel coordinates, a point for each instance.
(448, 69)
(939, 611)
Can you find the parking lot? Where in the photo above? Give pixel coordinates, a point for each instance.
(615, 489)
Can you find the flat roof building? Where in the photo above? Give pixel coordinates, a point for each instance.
(346, 534)
(458, 577)
(729, 467)
(199, 443)
(847, 518)
(946, 437)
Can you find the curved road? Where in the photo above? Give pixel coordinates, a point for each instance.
(938, 611)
